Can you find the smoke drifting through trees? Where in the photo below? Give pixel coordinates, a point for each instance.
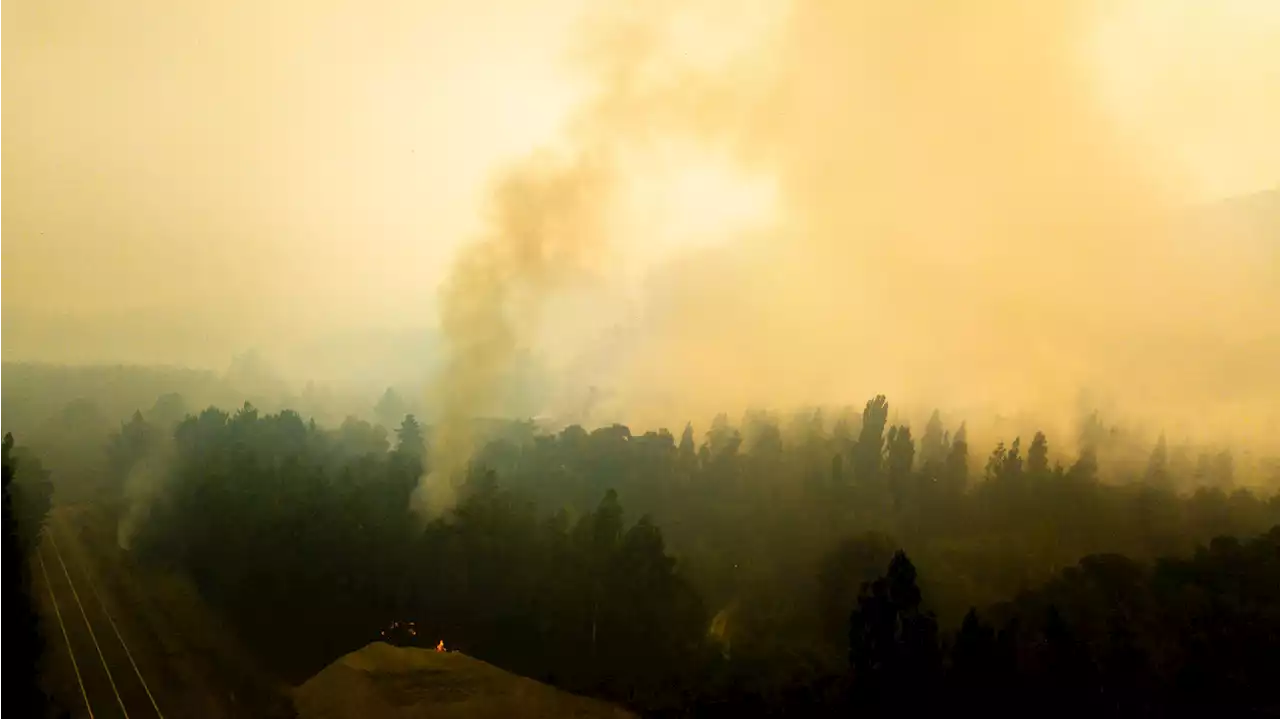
(961, 223)
(964, 224)
(546, 222)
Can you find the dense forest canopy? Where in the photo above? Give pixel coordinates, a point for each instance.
(749, 563)
(26, 496)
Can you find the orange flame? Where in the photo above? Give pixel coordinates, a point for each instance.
(440, 646)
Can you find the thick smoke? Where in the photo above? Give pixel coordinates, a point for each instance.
(961, 222)
(142, 485)
(545, 228)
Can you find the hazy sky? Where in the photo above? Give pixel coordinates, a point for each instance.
(1201, 80)
(185, 179)
(314, 161)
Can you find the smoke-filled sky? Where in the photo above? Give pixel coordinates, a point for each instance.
(973, 203)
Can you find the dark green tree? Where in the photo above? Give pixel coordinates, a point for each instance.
(687, 449)
(900, 453)
(1010, 469)
(982, 667)
(869, 449)
(956, 470)
(933, 443)
(1038, 458)
(995, 464)
(23, 641)
(1085, 469)
(893, 644)
(134, 440)
(844, 571)
(599, 534)
(1065, 666)
(1157, 474)
(409, 437)
(723, 440)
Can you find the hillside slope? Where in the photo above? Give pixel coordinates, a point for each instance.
(385, 681)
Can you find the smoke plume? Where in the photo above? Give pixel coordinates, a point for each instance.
(961, 221)
(546, 225)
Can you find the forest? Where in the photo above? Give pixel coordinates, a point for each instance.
(338, 323)
(810, 566)
(26, 501)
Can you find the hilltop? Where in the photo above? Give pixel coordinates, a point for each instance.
(385, 681)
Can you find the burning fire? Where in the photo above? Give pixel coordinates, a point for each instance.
(406, 632)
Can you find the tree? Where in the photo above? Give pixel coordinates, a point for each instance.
(390, 408)
(656, 620)
(128, 445)
(900, 453)
(1038, 457)
(768, 441)
(21, 619)
(168, 410)
(933, 444)
(1065, 666)
(723, 440)
(956, 471)
(687, 449)
(29, 493)
(71, 445)
(973, 654)
(581, 598)
(1093, 433)
(869, 450)
(893, 645)
(360, 438)
(1011, 470)
(844, 571)
(995, 464)
(1157, 474)
(409, 437)
(599, 534)
(983, 665)
(1085, 468)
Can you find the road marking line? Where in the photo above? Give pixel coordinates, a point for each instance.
(85, 616)
(85, 571)
(58, 613)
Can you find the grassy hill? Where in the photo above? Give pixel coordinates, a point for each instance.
(385, 681)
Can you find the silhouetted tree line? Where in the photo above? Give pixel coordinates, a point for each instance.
(26, 504)
(1197, 636)
(772, 533)
(303, 536)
